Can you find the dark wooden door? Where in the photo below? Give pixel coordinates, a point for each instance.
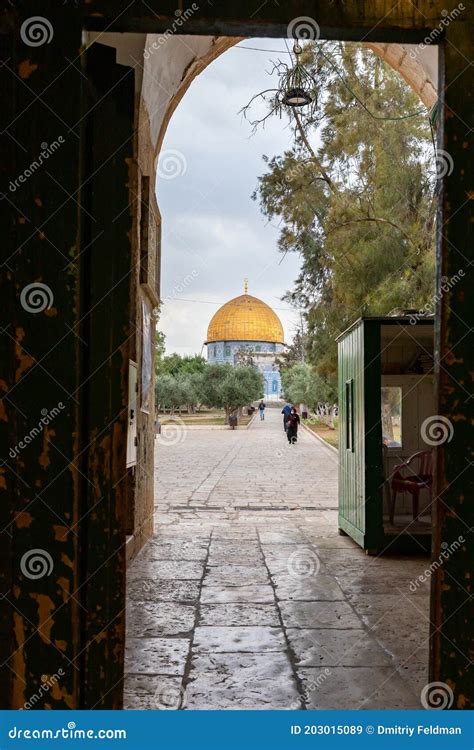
(105, 333)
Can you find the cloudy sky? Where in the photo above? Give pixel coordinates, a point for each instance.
(213, 232)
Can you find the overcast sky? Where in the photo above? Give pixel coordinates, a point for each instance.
(213, 232)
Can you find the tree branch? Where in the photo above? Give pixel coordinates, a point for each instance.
(374, 219)
(314, 158)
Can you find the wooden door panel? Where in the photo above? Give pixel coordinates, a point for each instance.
(107, 264)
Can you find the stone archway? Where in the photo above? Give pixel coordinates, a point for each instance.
(171, 66)
(166, 66)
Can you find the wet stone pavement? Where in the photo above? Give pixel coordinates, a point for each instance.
(247, 597)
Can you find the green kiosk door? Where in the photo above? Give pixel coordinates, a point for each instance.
(360, 439)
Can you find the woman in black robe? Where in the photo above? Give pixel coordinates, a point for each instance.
(292, 426)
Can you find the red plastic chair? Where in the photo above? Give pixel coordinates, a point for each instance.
(414, 483)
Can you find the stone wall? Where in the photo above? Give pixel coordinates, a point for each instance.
(144, 291)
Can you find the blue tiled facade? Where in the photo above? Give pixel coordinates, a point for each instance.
(224, 352)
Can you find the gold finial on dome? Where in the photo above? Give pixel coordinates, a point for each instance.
(246, 285)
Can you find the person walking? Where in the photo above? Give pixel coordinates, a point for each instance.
(292, 426)
(286, 411)
(157, 425)
(261, 408)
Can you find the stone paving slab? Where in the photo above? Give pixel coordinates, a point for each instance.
(283, 551)
(152, 692)
(242, 681)
(355, 688)
(415, 674)
(231, 534)
(315, 647)
(146, 619)
(255, 639)
(256, 594)
(282, 537)
(381, 613)
(177, 530)
(178, 549)
(236, 575)
(167, 570)
(355, 585)
(338, 614)
(312, 588)
(239, 614)
(234, 557)
(158, 590)
(156, 655)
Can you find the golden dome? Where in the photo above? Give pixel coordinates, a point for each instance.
(245, 318)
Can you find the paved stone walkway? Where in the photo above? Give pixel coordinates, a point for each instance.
(247, 597)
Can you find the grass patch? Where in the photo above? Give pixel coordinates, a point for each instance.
(326, 433)
(208, 420)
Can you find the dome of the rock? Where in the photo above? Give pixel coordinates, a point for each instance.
(245, 318)
(246, 331)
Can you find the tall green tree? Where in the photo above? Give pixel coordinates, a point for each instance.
(302, 384)
(217, 386)
(355, 197)
(241, 386)
(176, 364)
(174, 392)
(214, 376)
(229, 388)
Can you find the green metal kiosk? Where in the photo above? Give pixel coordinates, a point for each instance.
(386, 402)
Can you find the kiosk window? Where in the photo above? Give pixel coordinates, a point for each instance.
(350, 415)
(392, 416)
